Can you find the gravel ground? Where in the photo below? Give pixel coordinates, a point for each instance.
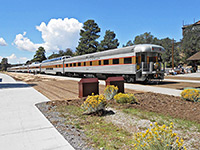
(74, 136)
(130, 123)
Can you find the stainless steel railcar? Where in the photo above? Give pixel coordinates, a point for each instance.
(34, 67)
(135, 63)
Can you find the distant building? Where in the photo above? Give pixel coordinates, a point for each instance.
(191, 27)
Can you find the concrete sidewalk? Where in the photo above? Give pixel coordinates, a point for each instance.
(167, 91)
(22, 125)
(194, 75)
(178, 80)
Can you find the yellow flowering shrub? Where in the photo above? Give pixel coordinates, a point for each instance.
(191, 94)
(125, 98)
(94, 103)
(158, 138)
(110, 91)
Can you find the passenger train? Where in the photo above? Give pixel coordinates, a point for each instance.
(135, 63)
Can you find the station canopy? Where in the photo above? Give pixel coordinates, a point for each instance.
(196, 56)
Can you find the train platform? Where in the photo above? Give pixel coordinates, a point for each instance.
(146, 88)
(194, 75)
(188, 81)
(22, 125)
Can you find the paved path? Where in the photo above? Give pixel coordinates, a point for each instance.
(153, 89)
(178, 80)
(22, 125)
(197, 74)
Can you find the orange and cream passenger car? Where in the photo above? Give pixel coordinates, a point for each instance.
(135, 63)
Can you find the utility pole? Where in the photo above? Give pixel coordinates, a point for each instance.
(172, 54)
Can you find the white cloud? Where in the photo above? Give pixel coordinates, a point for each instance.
(14, 59)
(11, 57)
(57, 34)
(24, 43)
(3, 42)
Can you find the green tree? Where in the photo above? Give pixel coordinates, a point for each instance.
(190, 42)
(109, 41)
(89, 35)
(167, 55)
(61, 53)
(4, 64)
(39, 55)
(54, 55)
(28, 62)
(129, 43)
(146, 38)
(69, 52)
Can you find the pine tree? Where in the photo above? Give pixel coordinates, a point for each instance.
(54, 55)
(146, 38)
(167, 55)
(89, 35)
(190, 42)
(69, 52)
(129, 43)
(109, 41)
(39, 55)
(4, 64)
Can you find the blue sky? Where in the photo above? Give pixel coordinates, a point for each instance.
(25, 25)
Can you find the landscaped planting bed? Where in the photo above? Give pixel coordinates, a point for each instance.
(119, 123)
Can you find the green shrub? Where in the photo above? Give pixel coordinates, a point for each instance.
(125, 98)
(94, 103)
(110, 91)
(191, 94)
(158, 138)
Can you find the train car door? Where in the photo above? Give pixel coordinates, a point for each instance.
(143, 57)
(138, 66)
(144, 64)
(63, 69)
(138, 61)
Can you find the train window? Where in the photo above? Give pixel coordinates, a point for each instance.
(74, 64)
(66, 65)
(49, 68)
(105, 62)
(128, 60)
(56, 66)
(99, 62)
(152, 59)
(115, 61)
(70, 65)
(90, 63)
(84, 63)
(59, 66)
(79, 64)
(143, 57)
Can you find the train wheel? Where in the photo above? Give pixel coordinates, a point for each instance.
(130, 79)
(146, 80)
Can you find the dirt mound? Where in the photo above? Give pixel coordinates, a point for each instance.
(166, 105)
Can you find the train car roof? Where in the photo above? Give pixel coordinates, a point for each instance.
(34, 64)
(56, 59)
(134, 48)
